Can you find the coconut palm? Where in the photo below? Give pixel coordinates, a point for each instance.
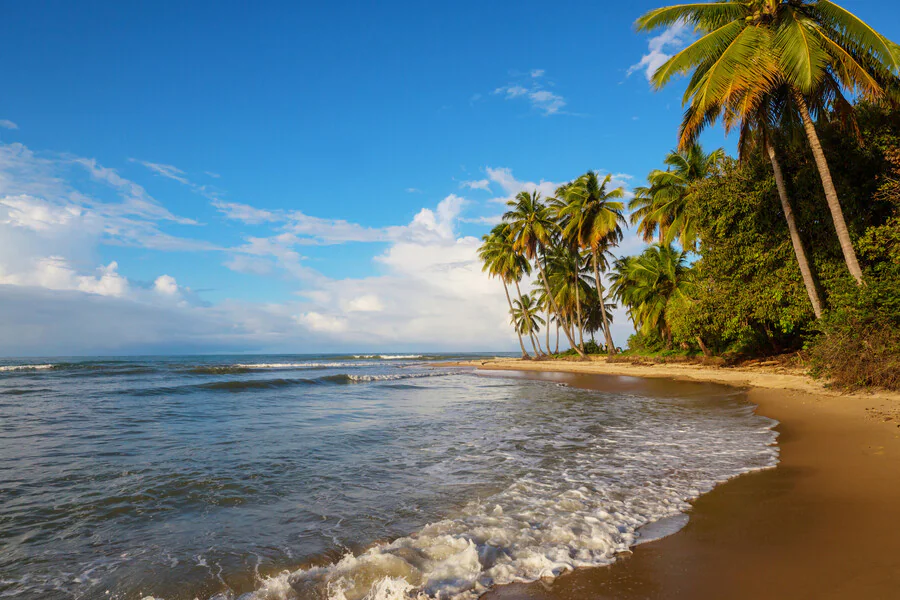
(526, 319)
(646, 283)
(663, 207)
(594, 221)
(758, 130)
(748, 49)
(502, 261)
(531, 228)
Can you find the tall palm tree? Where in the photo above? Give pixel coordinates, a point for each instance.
(531, 227)
(594, 221)
(664, 205)
(749, 48)
(502, 261)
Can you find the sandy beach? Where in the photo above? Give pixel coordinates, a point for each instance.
(823, 524)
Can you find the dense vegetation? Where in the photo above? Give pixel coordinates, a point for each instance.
(793, 245)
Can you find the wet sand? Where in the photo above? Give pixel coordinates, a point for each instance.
(825, 523)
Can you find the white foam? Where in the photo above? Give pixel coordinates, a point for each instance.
(395, 377)
(388, 356)
(296, 365)
(25, 367)
(547, 523)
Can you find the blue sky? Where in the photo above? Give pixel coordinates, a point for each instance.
(302, 177)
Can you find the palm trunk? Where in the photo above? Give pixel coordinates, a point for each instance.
(578, 311)
(799, 251)
(518, 333)
(556, 350)
(531, 337)
(537, 340)
(556, 306)
(527, 315)
(837, 215)
(610, 348)
(547, 331)
(703, 347)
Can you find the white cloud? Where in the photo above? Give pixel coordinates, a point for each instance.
(55, 273)
(166, 285)
(367, 303)
(535, 92)
(176, 174)
(427, 290)
(167, 171)
(480, 184)
(7, 124)
(503, 177)
(245, 213)
(211, 174)
(413, 190)
(673, 38)
(547, 101)
(322, 323)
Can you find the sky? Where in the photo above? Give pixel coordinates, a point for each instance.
(302, 177)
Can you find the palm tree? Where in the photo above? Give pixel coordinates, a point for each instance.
(531, 228)
(748, 49)
(758, 128)
(646, 283)
(594, 219)
(664, 206)
(500, 260)
(526, 319)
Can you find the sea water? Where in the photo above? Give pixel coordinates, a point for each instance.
(323, 477)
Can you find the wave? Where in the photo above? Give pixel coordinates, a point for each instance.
(243, 385)
(353, 378)
(26, 367)
(540, 526)
(24, 391)
(223, 370)
(389, 356)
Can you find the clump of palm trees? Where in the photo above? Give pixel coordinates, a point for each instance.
(771, 69)
(566, 241)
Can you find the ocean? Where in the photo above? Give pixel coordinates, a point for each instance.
(340, 477)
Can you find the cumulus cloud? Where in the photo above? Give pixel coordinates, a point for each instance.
(7, 124)
(673, 38)
(166, 285)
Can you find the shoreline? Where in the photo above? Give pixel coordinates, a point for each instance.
(822, 524)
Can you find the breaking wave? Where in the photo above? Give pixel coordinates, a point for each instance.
(25, 367)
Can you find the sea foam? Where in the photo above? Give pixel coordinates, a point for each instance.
(541, 525)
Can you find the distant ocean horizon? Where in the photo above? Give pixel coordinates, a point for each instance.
(339, 476)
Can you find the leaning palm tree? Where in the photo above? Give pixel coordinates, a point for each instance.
(750, 48)
(501, 260)
(594, 222)
(664, 206)
(531, 228)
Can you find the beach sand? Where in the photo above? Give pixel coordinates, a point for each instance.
(824, 524)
